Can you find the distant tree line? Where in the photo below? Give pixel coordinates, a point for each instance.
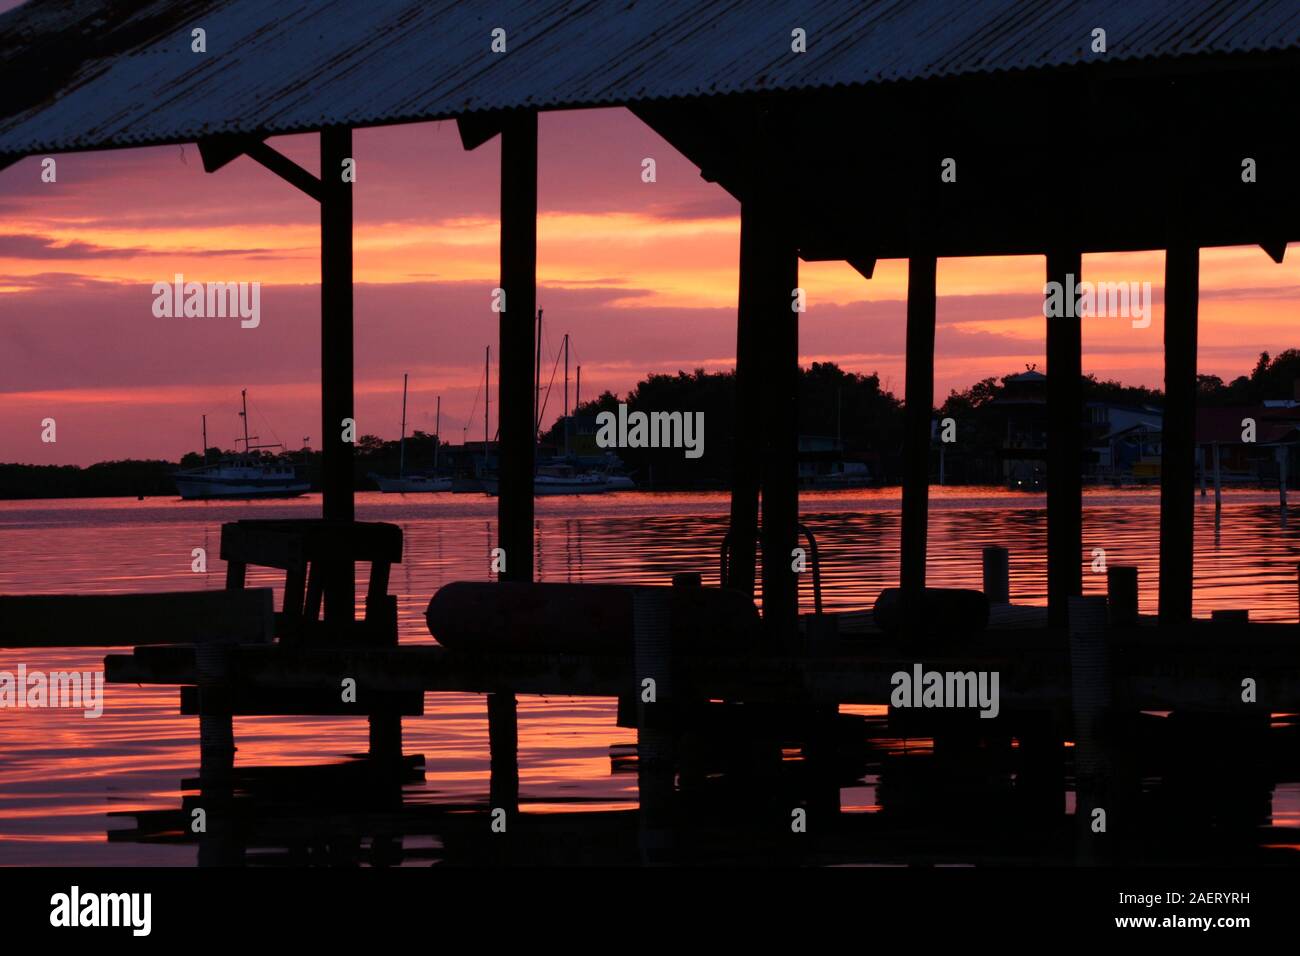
(867, 418)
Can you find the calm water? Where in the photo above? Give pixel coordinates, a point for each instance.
(61, 774)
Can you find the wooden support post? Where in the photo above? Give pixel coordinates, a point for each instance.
(236, 573)
(1040, 776)
(1177, 476)
(1281, 453)
(919, 396)
(997, 574)
(1064, 444)
(295, 587)
(503, 742)
(778, 276)
(336, 360)
(1218, 487)
(1104, 780)
(519, 280)
(747, 457)
(216, 712)
(515, 409)
(1200, 467)
(1122, 595)
(652, 674)
(385, 736)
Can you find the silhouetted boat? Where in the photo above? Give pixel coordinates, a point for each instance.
(410, 483)
(404, 483)
(242, 476)
(559, 480)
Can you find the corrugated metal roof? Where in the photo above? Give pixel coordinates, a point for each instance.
(103, 73)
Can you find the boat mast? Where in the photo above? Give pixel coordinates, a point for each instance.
(566, 394)
(537, 380)
(401, 445)
(487, 400)
(437, 436)
(243, 397)
(205, 439)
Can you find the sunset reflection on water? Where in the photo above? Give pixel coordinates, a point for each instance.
(61, 774)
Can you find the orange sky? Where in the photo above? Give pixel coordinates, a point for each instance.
(643, 276)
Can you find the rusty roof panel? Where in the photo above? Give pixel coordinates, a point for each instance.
(107, 73)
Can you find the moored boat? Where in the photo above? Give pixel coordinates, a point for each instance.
(241, 476)
(406, 484)
(235, 479)
(403, 483)
(558, 480)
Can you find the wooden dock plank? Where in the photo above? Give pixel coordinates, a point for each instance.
(122, 620)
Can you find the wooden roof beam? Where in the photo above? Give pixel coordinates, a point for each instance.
(218, 151)
(477, 128)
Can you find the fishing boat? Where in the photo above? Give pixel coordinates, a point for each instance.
(241, 476)
(407, 484)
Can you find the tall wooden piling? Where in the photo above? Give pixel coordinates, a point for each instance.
(1218, 488)
(503, 743)
(1298, 579)
(997, 574)
(519, 280)
(747, 451)
(1177, 465)
(1064, 446)
(1091, 699)
(653, 684)
(1281, 453)
(773, 280)
(339, 577)
(515, 423)
(1122, 595)
(919, 396)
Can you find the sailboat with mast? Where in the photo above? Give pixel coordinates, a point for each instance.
(560, 476)
(245, 475)
(404, 483)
